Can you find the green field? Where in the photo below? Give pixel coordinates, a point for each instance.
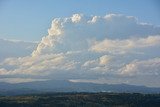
(82, 100)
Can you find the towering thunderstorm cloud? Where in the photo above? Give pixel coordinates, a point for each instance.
(54, 33)
(51, 39)
(111, 49)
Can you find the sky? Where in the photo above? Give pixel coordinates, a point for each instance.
(28, 20)
(105, 41)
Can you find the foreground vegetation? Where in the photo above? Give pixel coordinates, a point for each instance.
(82, 100)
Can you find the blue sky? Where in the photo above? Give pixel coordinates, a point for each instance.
(29, 19)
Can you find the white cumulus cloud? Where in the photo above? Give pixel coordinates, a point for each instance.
(144, 67)
(87, 47)
(117, 45)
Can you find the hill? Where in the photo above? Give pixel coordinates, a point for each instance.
(82, 100)
(67, 86)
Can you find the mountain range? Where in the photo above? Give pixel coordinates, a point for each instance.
(68, 86)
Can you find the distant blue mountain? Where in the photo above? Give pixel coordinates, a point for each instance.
(67, 86)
